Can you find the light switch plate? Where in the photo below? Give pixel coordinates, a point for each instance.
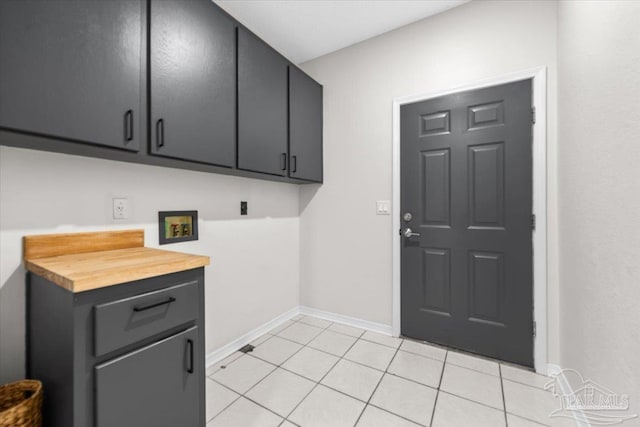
(383, 207)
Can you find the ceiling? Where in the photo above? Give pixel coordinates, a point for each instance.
(306, 29)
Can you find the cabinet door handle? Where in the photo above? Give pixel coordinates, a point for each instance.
(128, 125)
(283, 161)
(294, 164)
(190, 350)
(160, 133)
(150, 306)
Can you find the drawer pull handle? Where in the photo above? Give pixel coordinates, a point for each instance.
(190, 347)
(150, 306)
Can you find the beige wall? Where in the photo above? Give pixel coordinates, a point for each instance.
(599, 192)
(346, 253)
(253, 275)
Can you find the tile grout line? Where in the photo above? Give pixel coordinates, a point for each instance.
(246, 397)
(285, 418)
(322, 378)
(386, 372)
(435, 402)
(504, 403)
(473, 401)
(379, 381)
(225, 408)
(316, 383)
(475, 370)
(266, 376)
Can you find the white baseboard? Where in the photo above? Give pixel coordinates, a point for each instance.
(227, 349)
(557, 372)
(380, 328)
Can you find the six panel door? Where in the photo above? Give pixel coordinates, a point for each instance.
(466, 180)
(73, 70)
(262, 107)
(305, 126)
(193, 81)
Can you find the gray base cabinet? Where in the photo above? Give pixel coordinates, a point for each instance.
(127, 355)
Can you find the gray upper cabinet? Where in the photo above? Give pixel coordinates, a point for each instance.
(305, 126)
(193, 82)
(262, 106)
(175, 83)
(73, 70)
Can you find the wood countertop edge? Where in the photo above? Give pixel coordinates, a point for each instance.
(114, 276)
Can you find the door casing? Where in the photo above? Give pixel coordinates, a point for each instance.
(539, 81)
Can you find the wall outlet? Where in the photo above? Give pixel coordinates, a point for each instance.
(121, 208)
(383, 207)
(244, 208)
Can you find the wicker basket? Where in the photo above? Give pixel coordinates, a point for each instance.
(21, 404)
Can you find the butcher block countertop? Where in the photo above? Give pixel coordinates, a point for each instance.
(82, 262)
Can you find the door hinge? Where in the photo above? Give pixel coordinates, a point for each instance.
(533, 115)
(533, 328)
(400, 231)
(533, 221)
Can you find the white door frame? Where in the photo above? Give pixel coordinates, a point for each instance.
(539, 77)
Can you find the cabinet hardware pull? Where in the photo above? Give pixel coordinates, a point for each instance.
(128, 125)
(150, 306)
(190, 347)
(294, 164)
(160, 133)
(283, 161)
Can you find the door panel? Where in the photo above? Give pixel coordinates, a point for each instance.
(436, 280)
(305, 126)
(437, 187)
(154, 386)
(262, 107)
(466, 179)
(486, 185)
(73, 70)
(193, 82)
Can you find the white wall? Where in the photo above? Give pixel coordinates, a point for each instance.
(345, 247)
(254, 269)
(599, 192)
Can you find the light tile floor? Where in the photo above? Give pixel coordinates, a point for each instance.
(310, 372)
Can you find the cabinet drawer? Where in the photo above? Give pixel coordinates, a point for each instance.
(126, 321)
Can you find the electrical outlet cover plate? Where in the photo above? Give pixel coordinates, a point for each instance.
(120, 208)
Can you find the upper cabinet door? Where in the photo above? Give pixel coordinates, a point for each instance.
(262, 107)
(193, 82)
(73, 70)
(305, 126)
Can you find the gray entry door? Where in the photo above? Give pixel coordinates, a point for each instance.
(466, 180)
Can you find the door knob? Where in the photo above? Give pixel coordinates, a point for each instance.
(409, 233)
